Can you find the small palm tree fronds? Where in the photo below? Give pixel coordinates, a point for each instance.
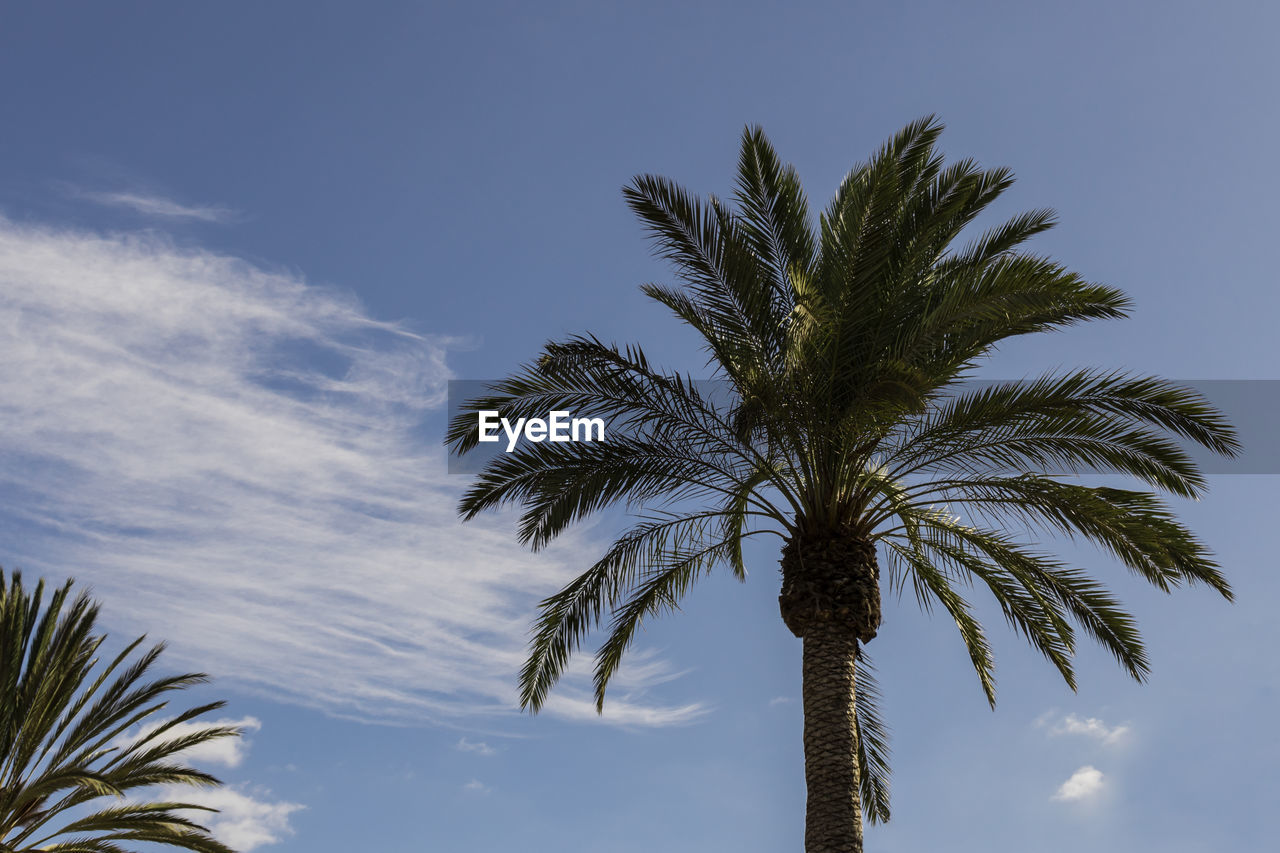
(65, 734)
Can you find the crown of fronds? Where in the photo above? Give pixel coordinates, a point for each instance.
(839, 351)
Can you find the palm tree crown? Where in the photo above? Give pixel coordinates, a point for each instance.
(839, 420)
(65, 744)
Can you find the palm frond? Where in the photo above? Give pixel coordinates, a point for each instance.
(775, 216)
(873, 744)
(62, 722)
(568, 616)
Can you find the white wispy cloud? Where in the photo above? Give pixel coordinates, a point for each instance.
(475, 786)
(627, 705)
(1084, 783)
(238, 462)
(780, 700)
(1072, 724)
(478, 747)
(227, 751)
(154, 205)
(245, 819)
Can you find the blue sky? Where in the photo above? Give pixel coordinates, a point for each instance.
(244, 246)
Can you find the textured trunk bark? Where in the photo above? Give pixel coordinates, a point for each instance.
(830, 599)
(833, 813)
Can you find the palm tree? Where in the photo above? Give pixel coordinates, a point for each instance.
(68, 759)
(839, 419)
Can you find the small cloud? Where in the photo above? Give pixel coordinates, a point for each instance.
(478, 747)
(1084, 783)
(1090, 727)
(149, 205)
(475, 786)
(780, 700)
(227, 751)
(243, 821)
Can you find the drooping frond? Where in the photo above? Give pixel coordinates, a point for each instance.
(932, 585)
(873, 744)
(645, 571)
(1035, 592)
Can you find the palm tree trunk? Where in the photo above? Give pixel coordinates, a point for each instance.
(830, 599)
(833, 813)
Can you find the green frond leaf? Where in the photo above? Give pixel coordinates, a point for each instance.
(61, 714)
(873, 744)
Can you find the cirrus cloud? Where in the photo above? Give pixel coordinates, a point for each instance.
(147, 204)
(238, 461)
